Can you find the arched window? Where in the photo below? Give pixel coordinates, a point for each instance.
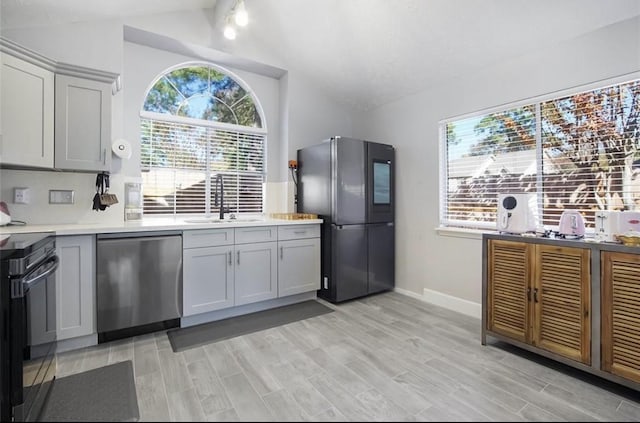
(199, 122)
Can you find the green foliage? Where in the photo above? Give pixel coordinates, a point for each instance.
(594, 129)
(501, 132)
(452, 137)
(202, 92)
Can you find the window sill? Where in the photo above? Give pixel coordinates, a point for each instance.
(461, 232)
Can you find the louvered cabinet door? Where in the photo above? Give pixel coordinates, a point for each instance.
(621, 314)
(508, 279)
(562, 301)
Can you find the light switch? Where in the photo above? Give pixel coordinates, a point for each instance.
(21, 195)
(60, 196)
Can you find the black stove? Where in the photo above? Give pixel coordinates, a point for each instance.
(21, 245)
(28, 263)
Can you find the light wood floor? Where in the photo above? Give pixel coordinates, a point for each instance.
(385, 357)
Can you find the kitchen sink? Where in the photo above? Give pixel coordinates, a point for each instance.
(205, 220)
(212, 220)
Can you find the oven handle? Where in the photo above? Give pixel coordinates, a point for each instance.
(49, 267)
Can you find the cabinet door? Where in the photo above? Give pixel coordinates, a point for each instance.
(207, 279)
(83, 124)
(76, 286)
(27, 98)
(621, 314)
(256, 273)
(562, 301)
(508, 283)
(298, 266)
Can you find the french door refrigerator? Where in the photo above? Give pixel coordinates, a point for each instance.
(349, 183)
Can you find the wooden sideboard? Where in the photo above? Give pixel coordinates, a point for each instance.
(576, 302)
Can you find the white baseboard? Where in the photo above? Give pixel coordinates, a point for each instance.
(447, 301)
(408, 293)
(453, 303)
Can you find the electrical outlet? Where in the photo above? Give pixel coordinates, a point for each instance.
(21, 195)
(61, 196)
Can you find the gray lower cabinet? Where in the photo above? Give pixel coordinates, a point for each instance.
(220, 277)
(256, 273)
(208, 279)
(227, 267)
(76, 286)
(298, 266)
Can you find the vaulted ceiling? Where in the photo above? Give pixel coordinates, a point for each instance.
(366, 53)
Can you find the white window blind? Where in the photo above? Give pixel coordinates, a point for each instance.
(580, 151)
(180, 163)
(488, 155)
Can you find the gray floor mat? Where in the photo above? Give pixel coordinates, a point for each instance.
(103, 394)
(195, 336)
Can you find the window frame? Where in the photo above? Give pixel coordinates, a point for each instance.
(209, 124)
(445, 225)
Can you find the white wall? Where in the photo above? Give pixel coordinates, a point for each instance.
(452, 265)
(298, 113)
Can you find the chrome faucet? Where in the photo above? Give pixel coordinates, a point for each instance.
(215, 196)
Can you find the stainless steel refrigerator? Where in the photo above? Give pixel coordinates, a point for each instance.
(349, 183)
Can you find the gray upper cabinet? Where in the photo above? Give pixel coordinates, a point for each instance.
(27, 101)
(82, 124)
(53, 115)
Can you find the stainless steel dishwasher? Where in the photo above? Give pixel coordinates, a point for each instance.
(139, 283)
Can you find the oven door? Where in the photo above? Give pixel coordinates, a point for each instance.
(34, 340)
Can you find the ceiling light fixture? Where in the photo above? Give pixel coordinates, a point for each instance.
(237, 16)
(229, 29)
(240, 15)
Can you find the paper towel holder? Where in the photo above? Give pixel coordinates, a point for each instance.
(121, 148)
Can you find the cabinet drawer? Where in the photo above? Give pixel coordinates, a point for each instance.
(207, 238)
(298, 232)
(256, 234)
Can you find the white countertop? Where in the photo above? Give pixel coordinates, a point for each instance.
(152, 224)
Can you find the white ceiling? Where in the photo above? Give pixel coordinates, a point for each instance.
(369, 52)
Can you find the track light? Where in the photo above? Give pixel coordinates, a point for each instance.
(229, 30)
(240, 15)
(237, 16)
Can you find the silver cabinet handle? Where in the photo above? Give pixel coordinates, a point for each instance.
(238, 253)
(281, 252)
(104, 156)
(299, 232)
(230, 262)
